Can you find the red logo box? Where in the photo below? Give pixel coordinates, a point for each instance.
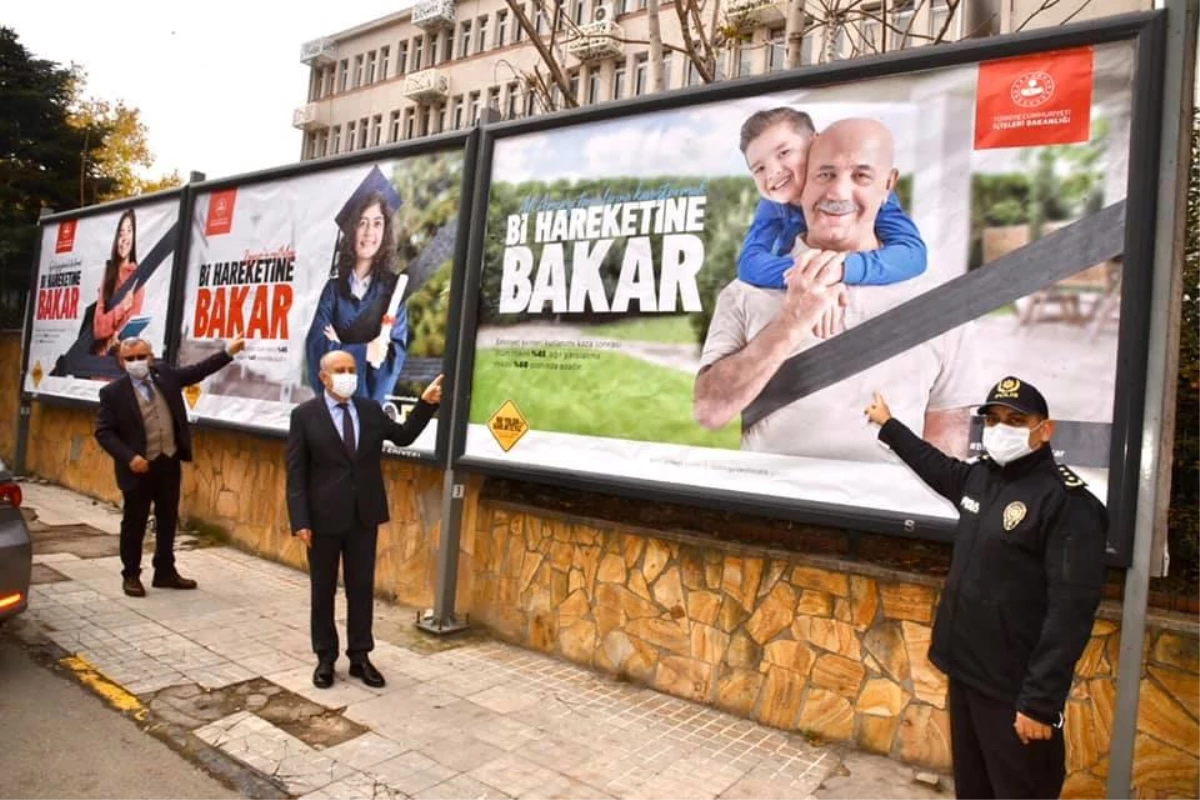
(220, 212)
(65, 242)
(1030, 101)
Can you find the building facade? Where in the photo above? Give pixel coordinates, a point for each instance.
(435, 66)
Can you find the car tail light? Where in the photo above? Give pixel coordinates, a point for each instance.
(9, 600)
(10, 494)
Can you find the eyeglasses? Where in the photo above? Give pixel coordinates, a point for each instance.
(140, 357)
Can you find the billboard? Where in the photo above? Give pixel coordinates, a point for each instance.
(102, 276)
(356, 257)
(698, 301)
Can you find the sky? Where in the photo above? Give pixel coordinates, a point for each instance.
(216, 81)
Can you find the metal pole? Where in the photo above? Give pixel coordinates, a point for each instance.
(1179, 59)
(442, 619)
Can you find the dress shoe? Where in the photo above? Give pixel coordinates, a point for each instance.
(366, 671)
(323, 675)
(133, 586)
(175, 581)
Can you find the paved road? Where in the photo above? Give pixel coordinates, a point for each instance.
(62, 741)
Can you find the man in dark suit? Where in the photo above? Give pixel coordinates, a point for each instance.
(142, 424)
(337, 501)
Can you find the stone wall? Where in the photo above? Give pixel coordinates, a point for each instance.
(817, 645)
(237, 484)
(10, 380)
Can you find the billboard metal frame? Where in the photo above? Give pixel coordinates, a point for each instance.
(1145, 29)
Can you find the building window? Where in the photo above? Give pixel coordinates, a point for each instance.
(745, 63)
(456, 115)
(938, 15)
(377, 131)
(573, 82)
(323, 149)
(358, 71)
(501, 28)
(641, 4)
(464, 44)
(434, 39)
(402, 58)
(691, 75)
(641, 69)
(343, 75)
(426, 112)
(529, 99)
(384, 53)
(618, 87)
(314, 85)
(418, 52)
(577, 11)
(330, 78)
(394, 127)
(371, 67)
(363, 133)
(667, 64)
(901, 32)
(593, 92)
(620, 8)
(350, 137)
(337, 139)
(539, 22)
(409, 123)
(494, 98)
(775, 49)
(511, 100)
(474, 113)
(481, 27)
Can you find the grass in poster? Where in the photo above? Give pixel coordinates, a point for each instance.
(614, 396)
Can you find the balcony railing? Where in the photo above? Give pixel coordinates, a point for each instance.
(434, 15)
(317, 53)
(597, 41)
(427, 86)
(743, 14)
(308, 117)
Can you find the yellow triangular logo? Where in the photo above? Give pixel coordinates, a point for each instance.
(37, 373)
(192, 395)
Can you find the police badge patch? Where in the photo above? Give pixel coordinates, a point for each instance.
(1013, 514)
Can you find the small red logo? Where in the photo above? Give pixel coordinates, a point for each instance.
(220, 212)
(65, 242)
(1035, 100)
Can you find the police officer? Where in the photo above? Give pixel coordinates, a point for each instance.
(1019, 602)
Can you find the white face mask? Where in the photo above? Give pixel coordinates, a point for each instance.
(1007, 443)
(345, 384)
(138, 370)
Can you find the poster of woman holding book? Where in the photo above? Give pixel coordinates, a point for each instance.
(113, 313)
(360, 309)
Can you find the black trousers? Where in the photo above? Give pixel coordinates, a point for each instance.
(356, 552)
(159, 486)
(989, 759)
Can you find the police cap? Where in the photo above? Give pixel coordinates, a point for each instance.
(1017, 395)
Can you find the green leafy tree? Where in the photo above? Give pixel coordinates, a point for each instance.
(43, 159)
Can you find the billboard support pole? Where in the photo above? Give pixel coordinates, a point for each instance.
(442, 618)
(1179, 64)
(24, 401)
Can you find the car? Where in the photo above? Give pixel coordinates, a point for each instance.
(16, 549)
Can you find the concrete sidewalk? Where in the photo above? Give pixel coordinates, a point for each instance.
(230, 665)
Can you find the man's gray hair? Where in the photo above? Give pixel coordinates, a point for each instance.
(133, 341)
(324, 363)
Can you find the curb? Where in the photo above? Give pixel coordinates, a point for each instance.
(232, 773)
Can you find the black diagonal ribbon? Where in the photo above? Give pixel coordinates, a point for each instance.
(1058, 255)
(149, 263)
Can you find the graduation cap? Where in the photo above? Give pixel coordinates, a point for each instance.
(374, 183)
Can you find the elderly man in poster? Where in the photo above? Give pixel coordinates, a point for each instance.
(850, 173)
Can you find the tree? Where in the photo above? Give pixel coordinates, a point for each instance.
(41, 159)
(124, 149)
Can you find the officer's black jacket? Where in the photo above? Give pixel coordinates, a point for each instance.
(1018, 605)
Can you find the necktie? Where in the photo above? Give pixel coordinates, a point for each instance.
(347, 428)
(148, 390)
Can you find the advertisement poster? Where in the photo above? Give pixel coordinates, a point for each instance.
(963, 225)
(101, 278)
(357, 258)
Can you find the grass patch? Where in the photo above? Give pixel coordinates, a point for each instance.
(614, 396)
(675, 329)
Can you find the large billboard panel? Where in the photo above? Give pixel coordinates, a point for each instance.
(101, 277)
(356, 258)
(704, 298)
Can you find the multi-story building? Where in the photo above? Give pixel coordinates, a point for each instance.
(435, 66)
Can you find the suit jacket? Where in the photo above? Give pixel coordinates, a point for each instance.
(120, 428)
(329, 491)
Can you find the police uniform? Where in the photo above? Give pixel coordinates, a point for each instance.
(1018, 605)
